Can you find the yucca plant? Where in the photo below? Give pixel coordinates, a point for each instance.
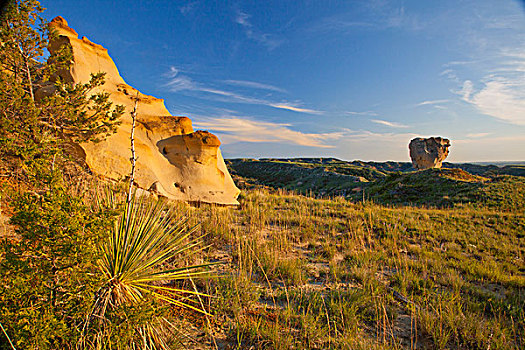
(140, 259)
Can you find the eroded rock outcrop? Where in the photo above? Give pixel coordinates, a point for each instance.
(428, 153)
(172, 159)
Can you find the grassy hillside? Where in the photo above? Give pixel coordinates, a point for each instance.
(306, 273)
(301, 177)
(448, 188)
(324, 176)
(389, 183)
(298, 272)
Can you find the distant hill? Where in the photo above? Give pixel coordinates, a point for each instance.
(449, 187)
(388, 182)
(500, 163)
(340, 166)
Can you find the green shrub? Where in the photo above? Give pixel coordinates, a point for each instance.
(49, 275)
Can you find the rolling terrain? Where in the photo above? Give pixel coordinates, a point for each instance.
(299, 272)
(121, 228)
(389, 183)
(395, 269)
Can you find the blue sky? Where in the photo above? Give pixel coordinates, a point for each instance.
(346, 79)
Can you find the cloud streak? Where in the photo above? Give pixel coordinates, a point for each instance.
(178, 82)
(293, 108)
(501, 99)
(344, 143)
(188, 8)
(490, 76)
(373, 16)
(369, 113)
(502, 90)
(235, 129)
(431, 103)
(390, 124)
(270, 41)
(254, 85)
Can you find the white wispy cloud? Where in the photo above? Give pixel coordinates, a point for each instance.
(451, 75)
(243, 19)
(460, 63)
(499, 98)
(344, 143)
(233, 97)
(490, 75)
(236, 129)
(295, 108)
(252, 33)
(390, 124)
(431, 102)
(177, 82)
(466, 90)
(369, 113)
(365, 135)
(501, 92)
(371, 15)
(478, 135)
(254, 85)
(188, 7)
(339, 25)
(250, 100)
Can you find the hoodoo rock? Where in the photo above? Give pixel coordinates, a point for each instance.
(172, 159)
(428, 153)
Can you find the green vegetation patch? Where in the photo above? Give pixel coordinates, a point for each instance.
(326, 177)
(448, 188)
(388, 183)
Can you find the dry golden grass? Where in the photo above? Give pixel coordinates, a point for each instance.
(301, 272)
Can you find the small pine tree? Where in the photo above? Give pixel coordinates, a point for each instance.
(34, 131)
(48, 275)
(23, 45)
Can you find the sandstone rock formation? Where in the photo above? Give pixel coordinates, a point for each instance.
(428, 153)
(172, 159)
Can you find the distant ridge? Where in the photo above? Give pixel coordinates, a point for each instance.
(390, 183)
(499, 163)
(477, 168)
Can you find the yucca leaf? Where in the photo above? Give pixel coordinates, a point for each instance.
(147, 237)
(175, 290)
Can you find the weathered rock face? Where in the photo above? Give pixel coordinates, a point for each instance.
(428, 153)
(172, 159)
